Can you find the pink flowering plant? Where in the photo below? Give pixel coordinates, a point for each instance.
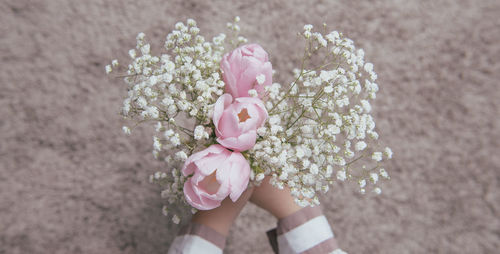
(242, 66)
(236, 121)
(222, 124)
(216, 173)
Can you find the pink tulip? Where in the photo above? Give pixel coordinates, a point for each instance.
(236, 123)
(241, 67)
(216, 173)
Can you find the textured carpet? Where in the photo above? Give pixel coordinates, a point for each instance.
(70, 182)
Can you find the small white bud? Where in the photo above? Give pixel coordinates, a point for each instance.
(253, 93)
(140, 36)
(360, 146)
(176, 219)
(259, 177)
(261, 79)
(126, 130)
(362, 183)
(341, 175)
(181, 155)
(377, 156)
(388, 152)
(308, 27)
(384, 173)
(132, 53)
(191, 22)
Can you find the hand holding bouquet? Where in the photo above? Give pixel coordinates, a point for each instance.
(220, 117)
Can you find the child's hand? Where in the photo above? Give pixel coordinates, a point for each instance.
(278, 202)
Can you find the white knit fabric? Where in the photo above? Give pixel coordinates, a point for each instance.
(193, 244)
(305, 236)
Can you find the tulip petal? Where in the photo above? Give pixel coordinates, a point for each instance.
(241, 143)
(209, 203)
(267, 71)
(228, 123)
(241, 67)
(194, 199)
(256, 110)
(240, 175)
(248, 76)
(228, 76)
(223, 177)
(259, 52)
(222, 103)
(208, 164)
(188, 168)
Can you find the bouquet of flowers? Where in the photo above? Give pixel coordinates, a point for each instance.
(219, 115)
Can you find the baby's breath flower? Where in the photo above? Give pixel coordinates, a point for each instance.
(368, 67)
(384, 173)
(175, 140)
(199, 132)
(191, 22)
(261, 79)
(126, 130)
(165, 210)
(132, 53)
(259, 177)
(362, 183)
(181, 155)
(253, 93)
(341, 175)
(366, 106)
(377, 156)
(388, 152)
(373, 134)
(360, 146)
(176, 219)
(158, 127)
(374, 177)
(157, 144)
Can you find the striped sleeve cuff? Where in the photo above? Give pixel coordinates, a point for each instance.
(305, 231)
(197, 238)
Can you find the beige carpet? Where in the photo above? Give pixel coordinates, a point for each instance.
(70, 182)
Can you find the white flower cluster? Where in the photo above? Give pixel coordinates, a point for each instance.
(173, 191)
(183, 81)
(320, 127)
(319, 130)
